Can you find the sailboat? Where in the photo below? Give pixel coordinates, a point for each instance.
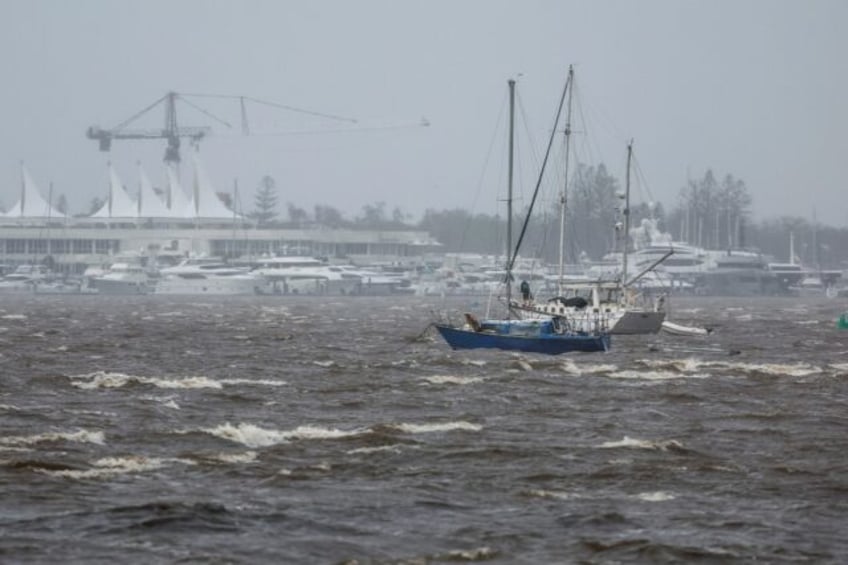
(551, 334)
(614, 301)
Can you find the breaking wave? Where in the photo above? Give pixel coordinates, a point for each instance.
(451, 380)
(80, 436)
(105, 379)
(254, 436)
(111, 466)
(441, 427)
(632, 443)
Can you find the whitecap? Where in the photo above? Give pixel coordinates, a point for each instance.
(324, 364)
(377, 449)
(439, 427)
(111, 466)
(254, 382)
(627, 442)
(451, 380)
(248, 434)
(13, 317)
(476, 554)
(658, 496)
(104, 379)
(776, 369)
(254, 436)
(315, 432)
(655, 375)
(14, 449)
(80, 436)
(687, 365)
(571, 367)
(556, 494)
(524, 365)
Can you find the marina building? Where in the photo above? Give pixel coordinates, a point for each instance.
(175, 225)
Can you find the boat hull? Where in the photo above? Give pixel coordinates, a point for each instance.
(679, 329)
(553, 344)
(636, 322)
(121, 287)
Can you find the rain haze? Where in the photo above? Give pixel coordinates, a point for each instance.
(755, 89)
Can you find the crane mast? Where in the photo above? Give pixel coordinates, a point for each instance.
(171, 132)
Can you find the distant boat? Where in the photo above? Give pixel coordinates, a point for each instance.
(548, 334)
(614, 301)
(207, 275)
(123, 278)
(679, 329)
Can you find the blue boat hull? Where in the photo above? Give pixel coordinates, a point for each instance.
(551, 344)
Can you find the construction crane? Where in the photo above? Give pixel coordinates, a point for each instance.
(172, 132)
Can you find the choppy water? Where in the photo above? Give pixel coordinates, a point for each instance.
(284, 430)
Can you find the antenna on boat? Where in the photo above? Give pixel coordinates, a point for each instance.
(626, 213)
(564, 197)
(511, 83)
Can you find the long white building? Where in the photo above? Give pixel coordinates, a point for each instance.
(181, 224)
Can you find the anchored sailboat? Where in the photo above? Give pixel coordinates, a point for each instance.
(551, 334)
(613, 301)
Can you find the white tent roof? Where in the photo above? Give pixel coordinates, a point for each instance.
(31, 204)
(205, 202)
(119, 204)
(179, 204)
(150, 205)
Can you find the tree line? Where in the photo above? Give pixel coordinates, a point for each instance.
(709, 213)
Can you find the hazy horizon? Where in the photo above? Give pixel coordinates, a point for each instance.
(754, 89)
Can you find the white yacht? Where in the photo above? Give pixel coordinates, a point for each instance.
(122, 278)
(305, 275)
(23, 279)
(208, 276)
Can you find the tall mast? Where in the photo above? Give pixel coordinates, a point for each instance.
(626, 214)
(509, 195)
(235, 216)
(564, 197)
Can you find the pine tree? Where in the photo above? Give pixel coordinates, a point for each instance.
(266, 202)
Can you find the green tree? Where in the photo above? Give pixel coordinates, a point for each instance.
(297, 215)
(329, 217)
(265, 205)
(592, 212)
(62, 204)
(226, 198)
(373, 215)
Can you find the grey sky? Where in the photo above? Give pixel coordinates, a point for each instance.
(752, 88)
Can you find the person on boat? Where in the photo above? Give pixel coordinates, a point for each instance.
(525, 292)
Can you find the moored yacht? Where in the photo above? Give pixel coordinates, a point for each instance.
(123, 278)
(304, 275)
(208, 276)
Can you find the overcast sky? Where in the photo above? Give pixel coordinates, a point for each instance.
(753, 88)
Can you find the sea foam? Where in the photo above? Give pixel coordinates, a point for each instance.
(627, 442)
(254, 436)
(80, 436)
